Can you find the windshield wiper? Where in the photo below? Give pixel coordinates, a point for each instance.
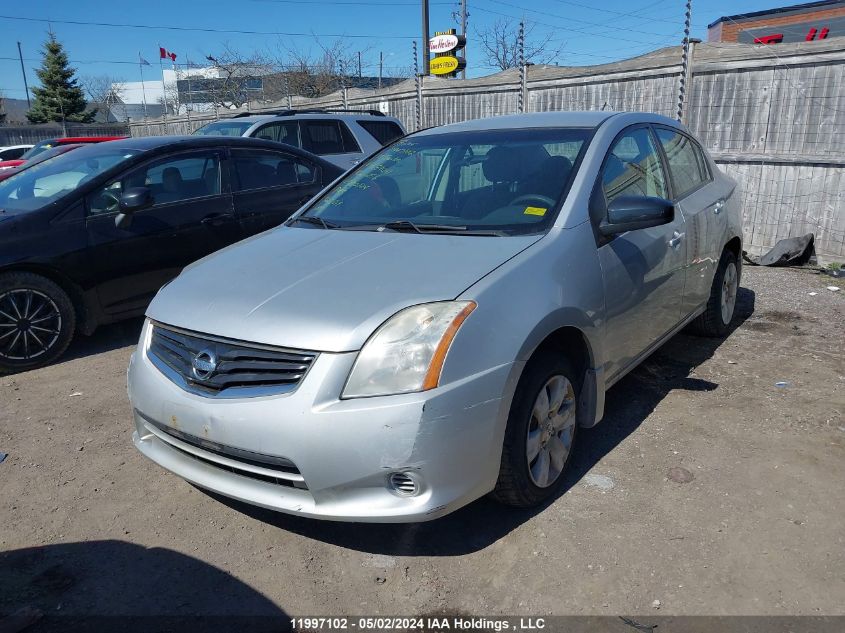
(313, 219)
(408, 226)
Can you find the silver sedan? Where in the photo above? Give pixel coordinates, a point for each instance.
(438, 323)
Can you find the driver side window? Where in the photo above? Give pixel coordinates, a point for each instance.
(170, 180)
(633, 167)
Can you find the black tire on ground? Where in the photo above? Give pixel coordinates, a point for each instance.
(711, 322)
(54, 333)
(515, 486)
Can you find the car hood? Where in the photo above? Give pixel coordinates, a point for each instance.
(324, 290)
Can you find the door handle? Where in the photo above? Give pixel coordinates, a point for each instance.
(676, 239)
(717, 208)
(216, 219)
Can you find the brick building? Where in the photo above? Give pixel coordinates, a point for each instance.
(797, 23)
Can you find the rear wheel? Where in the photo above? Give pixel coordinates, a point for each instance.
(717, 316)
(37, 321)
(540, 433)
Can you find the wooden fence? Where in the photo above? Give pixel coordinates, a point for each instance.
(23, 134)
(772, 116)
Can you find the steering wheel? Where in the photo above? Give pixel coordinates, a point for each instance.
(533, 197)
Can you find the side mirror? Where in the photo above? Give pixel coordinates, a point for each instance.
(629, 213)
(132, 200)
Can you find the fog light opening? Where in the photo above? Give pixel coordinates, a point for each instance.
(403, 484)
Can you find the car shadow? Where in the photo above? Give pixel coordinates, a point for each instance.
(104, 339)
(483, 522)
(115, 585)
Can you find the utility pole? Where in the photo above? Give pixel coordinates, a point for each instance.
(23, 71)
(425, 51)
(359, 64)
(380, 67)
(464, 15)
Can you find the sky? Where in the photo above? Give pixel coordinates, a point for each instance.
(582, 32)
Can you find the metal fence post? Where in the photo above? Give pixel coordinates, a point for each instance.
(523, 71)
(682, 83)
(418, 85)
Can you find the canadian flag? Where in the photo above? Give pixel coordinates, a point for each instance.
(166, 55)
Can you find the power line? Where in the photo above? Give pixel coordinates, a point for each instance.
(203, 30)
(628, 14)
(351, 3)
(573, 30)
(571, 19)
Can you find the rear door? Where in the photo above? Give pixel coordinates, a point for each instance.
(286, 132)
(269, 185)
(332, 140)
(643, 269)
(192, 216)
(697, 196)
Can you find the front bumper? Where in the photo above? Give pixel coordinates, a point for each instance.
(448, 440)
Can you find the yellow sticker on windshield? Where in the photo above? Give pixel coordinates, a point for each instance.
(535, 211)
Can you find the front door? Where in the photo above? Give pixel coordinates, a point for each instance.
(643, 269)
(191, 217)
(269, 185)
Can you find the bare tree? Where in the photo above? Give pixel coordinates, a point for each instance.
(172, 100)
(314, 74)
(500, 45)
(104, 91)
(240, 77)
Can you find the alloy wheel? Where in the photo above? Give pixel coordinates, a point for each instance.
(551, 431)
(30, 324)
(729, 290)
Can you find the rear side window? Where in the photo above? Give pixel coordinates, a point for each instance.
(327, 137)
(286, 132)
(384, 132)
(687, 166)
(257, 169)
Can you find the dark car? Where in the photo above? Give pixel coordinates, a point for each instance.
(90, 236)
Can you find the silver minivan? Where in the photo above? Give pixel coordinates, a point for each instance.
(438, 323)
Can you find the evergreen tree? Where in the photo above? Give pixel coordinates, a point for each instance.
(59, 97)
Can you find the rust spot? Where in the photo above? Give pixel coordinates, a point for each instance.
(174, 422)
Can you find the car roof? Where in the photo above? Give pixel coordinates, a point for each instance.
(257, 118)
(590, 119)
(154, 143)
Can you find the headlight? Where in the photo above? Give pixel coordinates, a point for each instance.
(407, 352)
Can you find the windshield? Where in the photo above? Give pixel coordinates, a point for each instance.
(224, 128)
(41, 184)
(496, 181)
(38, 148)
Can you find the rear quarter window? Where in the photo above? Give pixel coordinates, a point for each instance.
(328, 137)
(384, 132)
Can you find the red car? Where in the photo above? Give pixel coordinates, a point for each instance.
(53, 142)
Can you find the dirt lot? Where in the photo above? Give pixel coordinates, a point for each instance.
(87, 525)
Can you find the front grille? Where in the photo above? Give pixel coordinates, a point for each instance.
(215, 366)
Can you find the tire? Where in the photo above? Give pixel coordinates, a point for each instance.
(716, 321)
(37, 322)
(520, 482)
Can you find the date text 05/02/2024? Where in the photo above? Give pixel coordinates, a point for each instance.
(428, 623)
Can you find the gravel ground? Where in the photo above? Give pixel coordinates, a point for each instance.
(708, 489)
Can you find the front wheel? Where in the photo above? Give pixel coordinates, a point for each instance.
(540, 433)
(717, 316)
(37, 321)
